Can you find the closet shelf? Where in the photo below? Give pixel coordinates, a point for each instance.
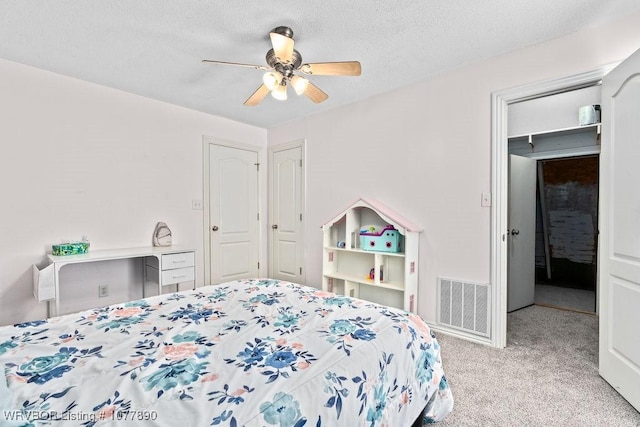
(564, 131)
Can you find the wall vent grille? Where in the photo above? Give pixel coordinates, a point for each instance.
(464, 305)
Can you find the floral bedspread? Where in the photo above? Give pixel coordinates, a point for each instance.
(245, 353)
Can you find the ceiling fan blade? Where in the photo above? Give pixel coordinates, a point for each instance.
(315, 94)
(257, 67)
(282, 46)
(257, 96)
(348, 68)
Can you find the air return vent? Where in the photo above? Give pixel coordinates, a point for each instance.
(464, 305)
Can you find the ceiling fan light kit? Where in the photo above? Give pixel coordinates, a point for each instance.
(280, 92)
(300, 84)
(284, 61)
(272, 79)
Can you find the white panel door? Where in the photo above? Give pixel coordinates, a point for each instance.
(521, 234)
(234, 220)
(619, 269)
(287, 249)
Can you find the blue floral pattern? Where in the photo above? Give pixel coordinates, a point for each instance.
(252, 352)
(171, 375)
(6, 346)
(283, 411)
(274, 361)
(344, 332)
(41, 369)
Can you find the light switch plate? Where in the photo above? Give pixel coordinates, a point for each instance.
(486, 200)
(196, 204)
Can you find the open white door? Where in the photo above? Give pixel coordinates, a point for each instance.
(286, 204)
(233, 213)
(522, 232)
(619, 255)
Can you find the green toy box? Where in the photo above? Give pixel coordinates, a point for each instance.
(75, 248)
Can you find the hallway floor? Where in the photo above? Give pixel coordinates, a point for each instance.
(560, 297)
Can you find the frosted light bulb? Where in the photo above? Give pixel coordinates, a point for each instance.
(299, 84)
(280, 93)
(272, 80)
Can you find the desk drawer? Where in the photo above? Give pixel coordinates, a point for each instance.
(178, 275)
(179, 260)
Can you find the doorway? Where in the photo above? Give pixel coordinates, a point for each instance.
(553, 193)
(501, 102)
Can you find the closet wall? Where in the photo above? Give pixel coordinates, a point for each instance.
(550, 112)
(571, 197)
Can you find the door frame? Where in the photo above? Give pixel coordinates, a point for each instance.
(500, 101)
(207, 141)
(302, 143)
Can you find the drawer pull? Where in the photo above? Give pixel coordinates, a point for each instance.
(182, 261)
(180, 276)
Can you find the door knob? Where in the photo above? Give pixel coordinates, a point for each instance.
(214, 228)
(515, 232)
(274, 226)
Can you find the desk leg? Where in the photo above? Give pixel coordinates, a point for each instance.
(159, 275)
(56, 283)
(144, 275)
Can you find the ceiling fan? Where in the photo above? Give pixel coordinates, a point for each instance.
(285, 64)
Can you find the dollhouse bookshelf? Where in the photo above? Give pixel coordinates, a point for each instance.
(389, 278)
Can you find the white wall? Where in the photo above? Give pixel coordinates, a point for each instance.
(81, 159)
(425, 150)
(550, 112)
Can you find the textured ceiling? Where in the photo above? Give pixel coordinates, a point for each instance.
(154, 48)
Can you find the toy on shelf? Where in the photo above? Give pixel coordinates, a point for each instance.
(372, 274)
(380, 239)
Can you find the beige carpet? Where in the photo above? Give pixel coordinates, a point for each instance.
(547, 375)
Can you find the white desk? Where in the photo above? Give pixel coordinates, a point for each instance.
(168, 265)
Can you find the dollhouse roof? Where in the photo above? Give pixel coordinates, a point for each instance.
(387, 214)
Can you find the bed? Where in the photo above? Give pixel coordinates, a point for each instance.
(252, 352)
